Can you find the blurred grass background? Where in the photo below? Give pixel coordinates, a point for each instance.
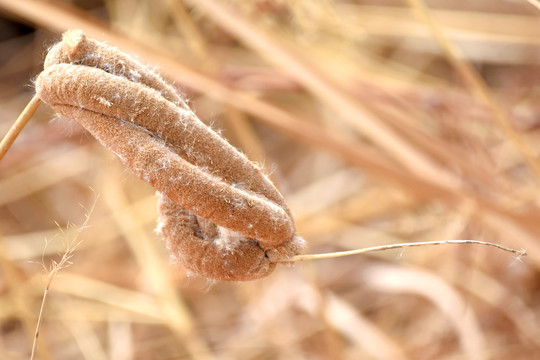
(380, 121)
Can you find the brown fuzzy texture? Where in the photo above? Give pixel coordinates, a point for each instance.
(221, 216)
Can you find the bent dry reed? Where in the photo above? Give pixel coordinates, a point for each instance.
(220, 215)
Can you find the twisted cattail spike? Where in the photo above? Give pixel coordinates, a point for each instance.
(221, 217)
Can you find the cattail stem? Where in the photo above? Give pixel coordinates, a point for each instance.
(401, 246)
(18, 125)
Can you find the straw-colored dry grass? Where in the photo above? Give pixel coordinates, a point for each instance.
(380, 123)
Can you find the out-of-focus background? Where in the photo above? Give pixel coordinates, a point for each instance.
(380, 121)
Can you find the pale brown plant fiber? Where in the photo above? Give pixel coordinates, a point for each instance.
(221, 216)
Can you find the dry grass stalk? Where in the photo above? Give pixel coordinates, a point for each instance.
(19, 124)
(518, 253)
(55, 268)
(221, 216)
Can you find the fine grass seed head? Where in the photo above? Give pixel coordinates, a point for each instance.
(221, 216)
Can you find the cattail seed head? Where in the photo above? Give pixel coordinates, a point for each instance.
(220, 215)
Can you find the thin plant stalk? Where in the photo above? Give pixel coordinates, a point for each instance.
(40, 316)
(298, 258)
(18, 125)
(64, 262)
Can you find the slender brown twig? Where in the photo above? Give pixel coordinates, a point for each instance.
(401, 246)
(18, 125)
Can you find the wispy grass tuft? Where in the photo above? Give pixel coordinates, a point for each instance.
(71, 241)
